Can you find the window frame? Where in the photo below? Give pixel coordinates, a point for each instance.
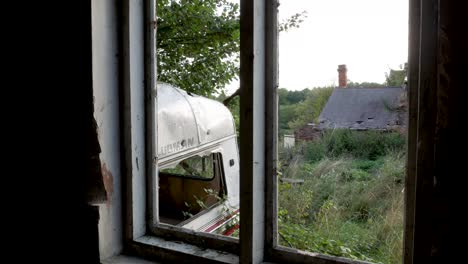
(423, 19)
(145, 236)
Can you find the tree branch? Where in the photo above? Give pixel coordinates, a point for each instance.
(228, 99)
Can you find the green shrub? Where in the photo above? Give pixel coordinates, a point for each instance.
(315, 151)
(306, 238)
(367, 165)
(349, 207)
(368, 145)
(294, 209)
(355, 175)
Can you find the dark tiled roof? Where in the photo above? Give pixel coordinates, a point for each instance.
(363, 108)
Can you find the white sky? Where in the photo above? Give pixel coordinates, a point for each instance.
(369, 36)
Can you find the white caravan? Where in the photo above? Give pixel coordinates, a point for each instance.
(198, 162)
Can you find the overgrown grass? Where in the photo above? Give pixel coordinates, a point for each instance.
(351, 202)
(368, 145)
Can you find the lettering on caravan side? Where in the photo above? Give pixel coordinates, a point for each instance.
(176, 146)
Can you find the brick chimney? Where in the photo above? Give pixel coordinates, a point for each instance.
(342, 78)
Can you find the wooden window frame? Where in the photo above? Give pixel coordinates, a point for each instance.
(258, 146)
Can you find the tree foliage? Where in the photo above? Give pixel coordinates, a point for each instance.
(287, 112)
(198, 44)
(309, 110)
(292, 97)
(396, 77)
(365, 85)
(297, 108)
(293, 21)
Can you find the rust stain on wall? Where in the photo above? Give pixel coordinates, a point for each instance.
(108, 180)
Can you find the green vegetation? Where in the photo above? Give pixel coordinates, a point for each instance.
(365, 85)
(297, 108)
(351, 201)
(396, 77)
(367, 145)
(309, 110)
(198, 43)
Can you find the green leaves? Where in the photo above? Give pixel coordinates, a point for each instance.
(309, 110)
(351, 201)
(396, 77)
(293, 21)
(198, 44)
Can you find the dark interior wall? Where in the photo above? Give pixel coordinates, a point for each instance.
(446, 201)
(57, 72)
(439, 48)
(80, 137)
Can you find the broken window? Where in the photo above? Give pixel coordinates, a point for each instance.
(198, 167)
(189, 187)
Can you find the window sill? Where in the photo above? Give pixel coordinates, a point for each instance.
(169, 251)
(122, 259)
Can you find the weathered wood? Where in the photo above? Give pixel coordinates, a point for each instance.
(252, 130)
(412, 91)
(201, 239)
(134, 140)
(174, 252)
(426, 125)
(448, 197)
(294, 256)
(292, 181)
(271, 125)
(152, 186)
(246, 127)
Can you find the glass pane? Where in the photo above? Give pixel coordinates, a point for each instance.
(193, 167)
(342, 127)
(198, 159)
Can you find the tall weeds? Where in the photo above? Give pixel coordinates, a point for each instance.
(351, 201)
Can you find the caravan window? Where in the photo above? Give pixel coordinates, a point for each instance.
(202, 167)
(190, 186)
